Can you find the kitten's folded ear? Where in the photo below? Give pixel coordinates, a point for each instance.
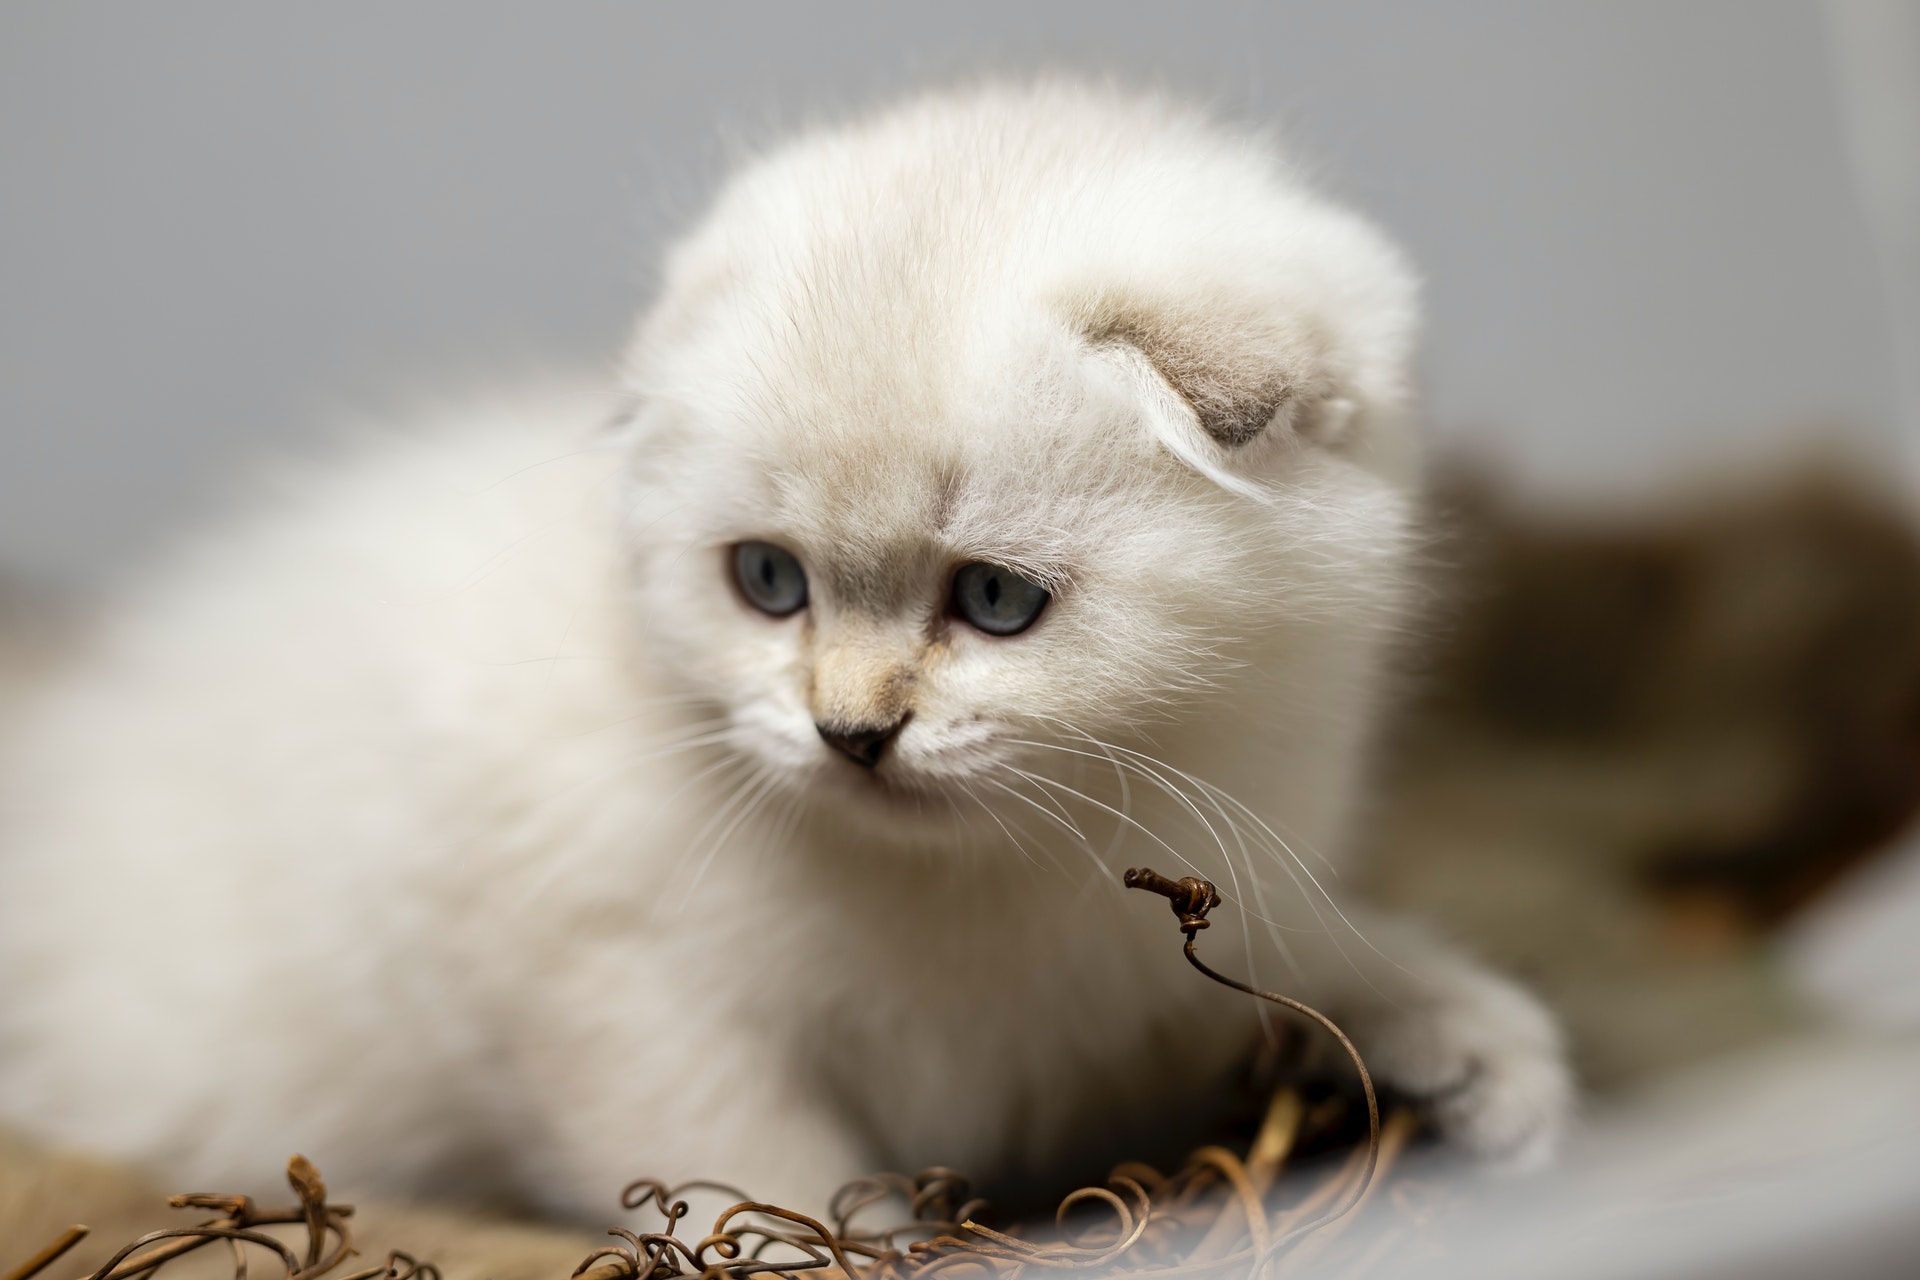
(1226, 389)
(1234, 388)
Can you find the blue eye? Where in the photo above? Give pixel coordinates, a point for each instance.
(998, 601)
(770, 578)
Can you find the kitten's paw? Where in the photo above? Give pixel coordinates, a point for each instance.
(1488, 1059)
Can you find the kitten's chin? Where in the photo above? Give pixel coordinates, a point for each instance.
(888, 805)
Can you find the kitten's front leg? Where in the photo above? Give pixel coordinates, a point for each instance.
(1482, 1051)
(675, 1092)
(775, 1145)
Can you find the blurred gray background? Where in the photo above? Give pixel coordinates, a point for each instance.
(224, 227)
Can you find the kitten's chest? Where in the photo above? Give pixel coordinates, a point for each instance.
(989, 1035)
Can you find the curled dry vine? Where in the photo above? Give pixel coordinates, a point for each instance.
(1210, 1218)
(239, 1222)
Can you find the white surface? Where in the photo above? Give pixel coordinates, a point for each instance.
(1800, 1162)
(1858, 951)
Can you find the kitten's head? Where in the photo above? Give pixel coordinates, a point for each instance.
(1009, 421)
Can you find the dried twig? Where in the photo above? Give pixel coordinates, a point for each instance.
(329, 1238)
(1192, 898)
(48, 1256)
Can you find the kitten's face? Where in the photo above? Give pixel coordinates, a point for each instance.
(1000, 426)
(892, 590)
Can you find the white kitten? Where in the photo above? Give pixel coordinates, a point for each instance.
(1013, 488)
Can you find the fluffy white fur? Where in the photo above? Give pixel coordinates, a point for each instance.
(452, 819)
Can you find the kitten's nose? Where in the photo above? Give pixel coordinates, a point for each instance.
(862, 744)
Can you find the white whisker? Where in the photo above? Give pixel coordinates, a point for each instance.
(746, 799)
(1083, 844)
(1002, 824)
(1276, 845)
(1148, 832)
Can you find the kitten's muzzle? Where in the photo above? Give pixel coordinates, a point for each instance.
(862, 744)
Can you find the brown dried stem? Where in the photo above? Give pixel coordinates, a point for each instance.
(48, 1256)
(1192, 898)
(237, 1226)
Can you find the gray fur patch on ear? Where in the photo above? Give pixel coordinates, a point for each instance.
(1235, 393)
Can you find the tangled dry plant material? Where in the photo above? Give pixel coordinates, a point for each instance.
(1211, 1218)
(240, 1222)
